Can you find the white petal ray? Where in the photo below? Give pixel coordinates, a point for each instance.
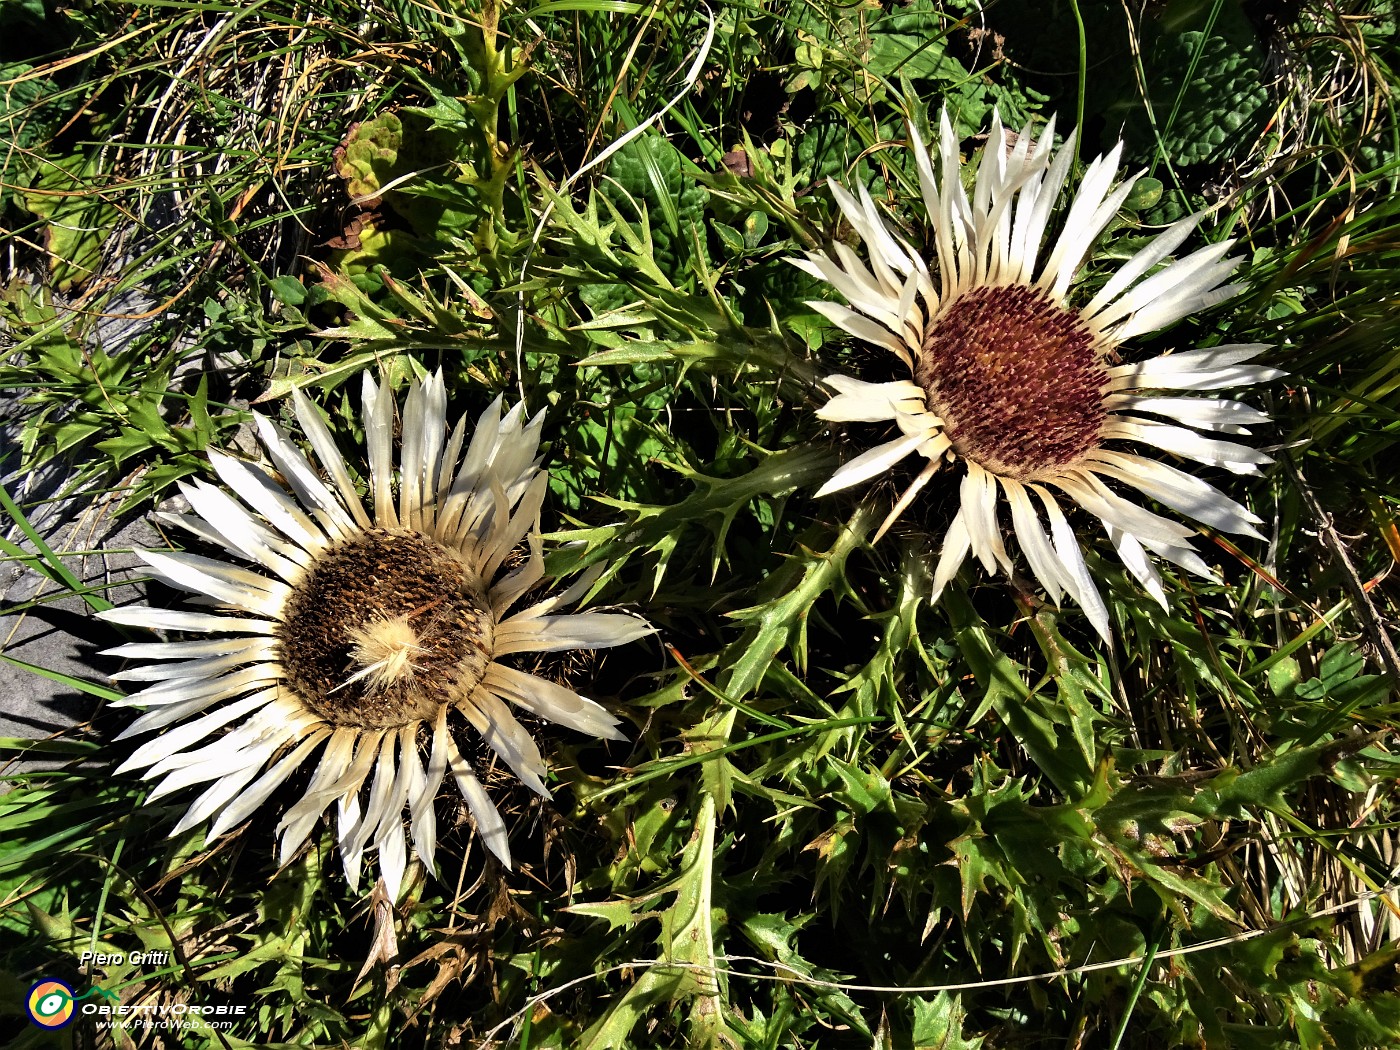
(243, 764)
(175, 708)
(955, 547)
(874, 461)
(216, 797)
(1035, 544)
(1194, 275)
(1184, 556)
(860, 402)
(1093, 187)
(907, 497)
(230, 584)
(422, 813)
(508, 738)
(1220, 379)
(329, 456)
(978, 493)
(355, 828)
(576, 590)
(192, 650)
(1077, 247)
(489, 825)
(180, 690)
(1170, 308)
(278, 721)
(296, 824)
(1090, 493)
(328, 510)
(552, 634)
(1077, 580)
(1021, 257)
(1143, 260)
(242, 534)
(1045, 198)
(259, 649)
(928, 185)
(1234, 457)
(424, 427)
(508, 590)
(1185, 369)
(180, 620)
(485, 439)
(1182, 492)
(525, 519)
(855, 283)
(378, 416)
(1133, 557)
(1206, 413)
(249, 745)
(177, 739)
(393, 853)
(253, 486)
(243, 806)
(860, 326)
(552, 701)
(411, 433)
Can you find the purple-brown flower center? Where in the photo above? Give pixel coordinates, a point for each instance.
(1017, 380)
(384, 629)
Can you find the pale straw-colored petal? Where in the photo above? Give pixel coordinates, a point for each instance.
(1162, 245)
(421, 808)
(861, 327)
(378, 417)
(552, 701)
(230, 584)
(955, 547)
(240, 754)
(1077, 580)
(1182, 441)
(1206, 369)
(1035, 544)
(240, 533)
(489, 826)
(181, 737)
(509, 588)
(1135, 560)
(329, 456)
(1205, 413)
(279, 720)
(552, 634)
(978, 494)
(243, 651)
(1182, 492)
(242, 764)
(875, 461)
(860, 402)
(198, 649)
(241, 807)
(324, 505)
(186, 694)
(253, 486)
(1093, 495)
(906, 498)
(504, 735)
(181, 620)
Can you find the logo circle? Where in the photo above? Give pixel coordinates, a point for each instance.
(50, 1004)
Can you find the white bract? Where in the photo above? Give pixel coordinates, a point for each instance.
(373, 636)
(1008, 376)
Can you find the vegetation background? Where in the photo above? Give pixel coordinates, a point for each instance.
(845, 818)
